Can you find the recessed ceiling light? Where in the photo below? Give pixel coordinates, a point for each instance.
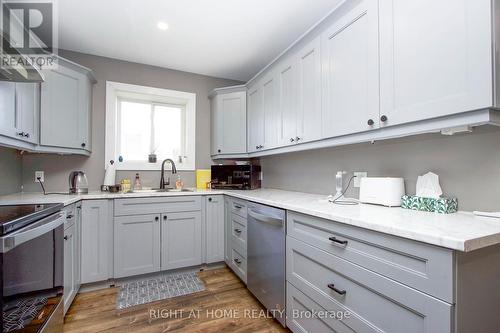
(162, 25)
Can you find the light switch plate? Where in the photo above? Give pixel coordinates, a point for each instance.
(359, 175)
(41, 175)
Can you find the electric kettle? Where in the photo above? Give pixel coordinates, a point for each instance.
(78, 182)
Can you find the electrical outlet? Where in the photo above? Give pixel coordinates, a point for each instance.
(41, 175)
(359, 175)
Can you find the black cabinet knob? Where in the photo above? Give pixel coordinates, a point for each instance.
(65, 237)
(83, 145)
(165, 217)
(292, 140)
(298, 139)
(156, 218)
(370, 122)
(210, 199)
(20, 133)
(383, 118)
(218, 150)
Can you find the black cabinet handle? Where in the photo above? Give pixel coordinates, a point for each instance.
(26, 135)
(370, 122)
(237, 261)
(298, 139)
(70, 216)
(65, 238)
(156, 218)
(338, 291)
(20, 133)
(292, 140)
(165, 217)
(336, 240)
(383, 118)
(238, 231)
(210, 199)
(237, 207)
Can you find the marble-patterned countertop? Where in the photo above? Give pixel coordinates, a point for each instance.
(461, 231)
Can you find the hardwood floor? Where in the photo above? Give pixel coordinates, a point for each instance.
(225, 306)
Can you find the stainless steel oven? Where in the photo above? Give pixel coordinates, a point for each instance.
(31, 259)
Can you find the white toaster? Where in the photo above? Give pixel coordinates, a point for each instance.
(384, 191)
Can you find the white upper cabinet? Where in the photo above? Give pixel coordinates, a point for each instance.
(270, 106)
(19, 103)
(350, 71)
(66, 97)
(229, 121)
(436, 58)
(309, 118)
(255, 118)
(287, 101)
(28, 106)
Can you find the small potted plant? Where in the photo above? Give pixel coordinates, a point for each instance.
(152, 158)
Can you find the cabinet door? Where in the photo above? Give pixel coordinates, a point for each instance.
(69, 266)
(27, 106)
(270, 105)
(436, 58)
(214, 213)
(180, 240)
(309, 116)
(227, 230)
(255, 118)
(8, 115)
(62, 110)
(233, 117)
(97, 240)
(214, 126)
(78, 247)
(287, 98)
(350, 69)
(136, 245)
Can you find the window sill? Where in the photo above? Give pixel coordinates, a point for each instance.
(152, 167)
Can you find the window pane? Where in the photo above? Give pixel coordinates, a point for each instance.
(135, 131)
(168, 131)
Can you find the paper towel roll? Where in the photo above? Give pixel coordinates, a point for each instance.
(110, 175)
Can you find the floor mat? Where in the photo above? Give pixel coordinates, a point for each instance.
(158, 288)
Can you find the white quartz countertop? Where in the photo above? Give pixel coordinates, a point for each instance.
(461, 231)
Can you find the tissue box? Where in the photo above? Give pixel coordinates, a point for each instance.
(441, 205)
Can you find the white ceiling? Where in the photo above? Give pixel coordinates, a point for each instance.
(224, 38)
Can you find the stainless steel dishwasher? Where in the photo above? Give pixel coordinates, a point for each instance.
(266, 258)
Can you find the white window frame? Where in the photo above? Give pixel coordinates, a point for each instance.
(116, 91)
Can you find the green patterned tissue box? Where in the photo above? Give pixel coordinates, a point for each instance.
(441, 205)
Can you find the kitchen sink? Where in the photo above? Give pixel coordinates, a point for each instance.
(159, 190)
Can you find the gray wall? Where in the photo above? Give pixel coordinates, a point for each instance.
(57, 167)
(10, 171)
(468, 165)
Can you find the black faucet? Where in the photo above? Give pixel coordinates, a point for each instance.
(162, 179)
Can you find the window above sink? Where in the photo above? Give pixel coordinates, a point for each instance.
(146, 123)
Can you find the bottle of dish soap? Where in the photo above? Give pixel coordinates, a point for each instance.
(179, 184)
(137, 182)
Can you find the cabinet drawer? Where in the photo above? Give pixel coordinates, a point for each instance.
(141, 206)
(239, 232)
(239, 264)
(70, 216)
(299, 309)
(239, 207)
(424, 267)
(374, 302)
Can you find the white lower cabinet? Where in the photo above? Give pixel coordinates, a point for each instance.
(136, 245)
(180, 240)
(72, 253)
(214, 219)
(97, 240)
(69, 264)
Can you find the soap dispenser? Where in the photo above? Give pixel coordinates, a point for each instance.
(137, 182)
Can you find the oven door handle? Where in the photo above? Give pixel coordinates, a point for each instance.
(31, 232)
